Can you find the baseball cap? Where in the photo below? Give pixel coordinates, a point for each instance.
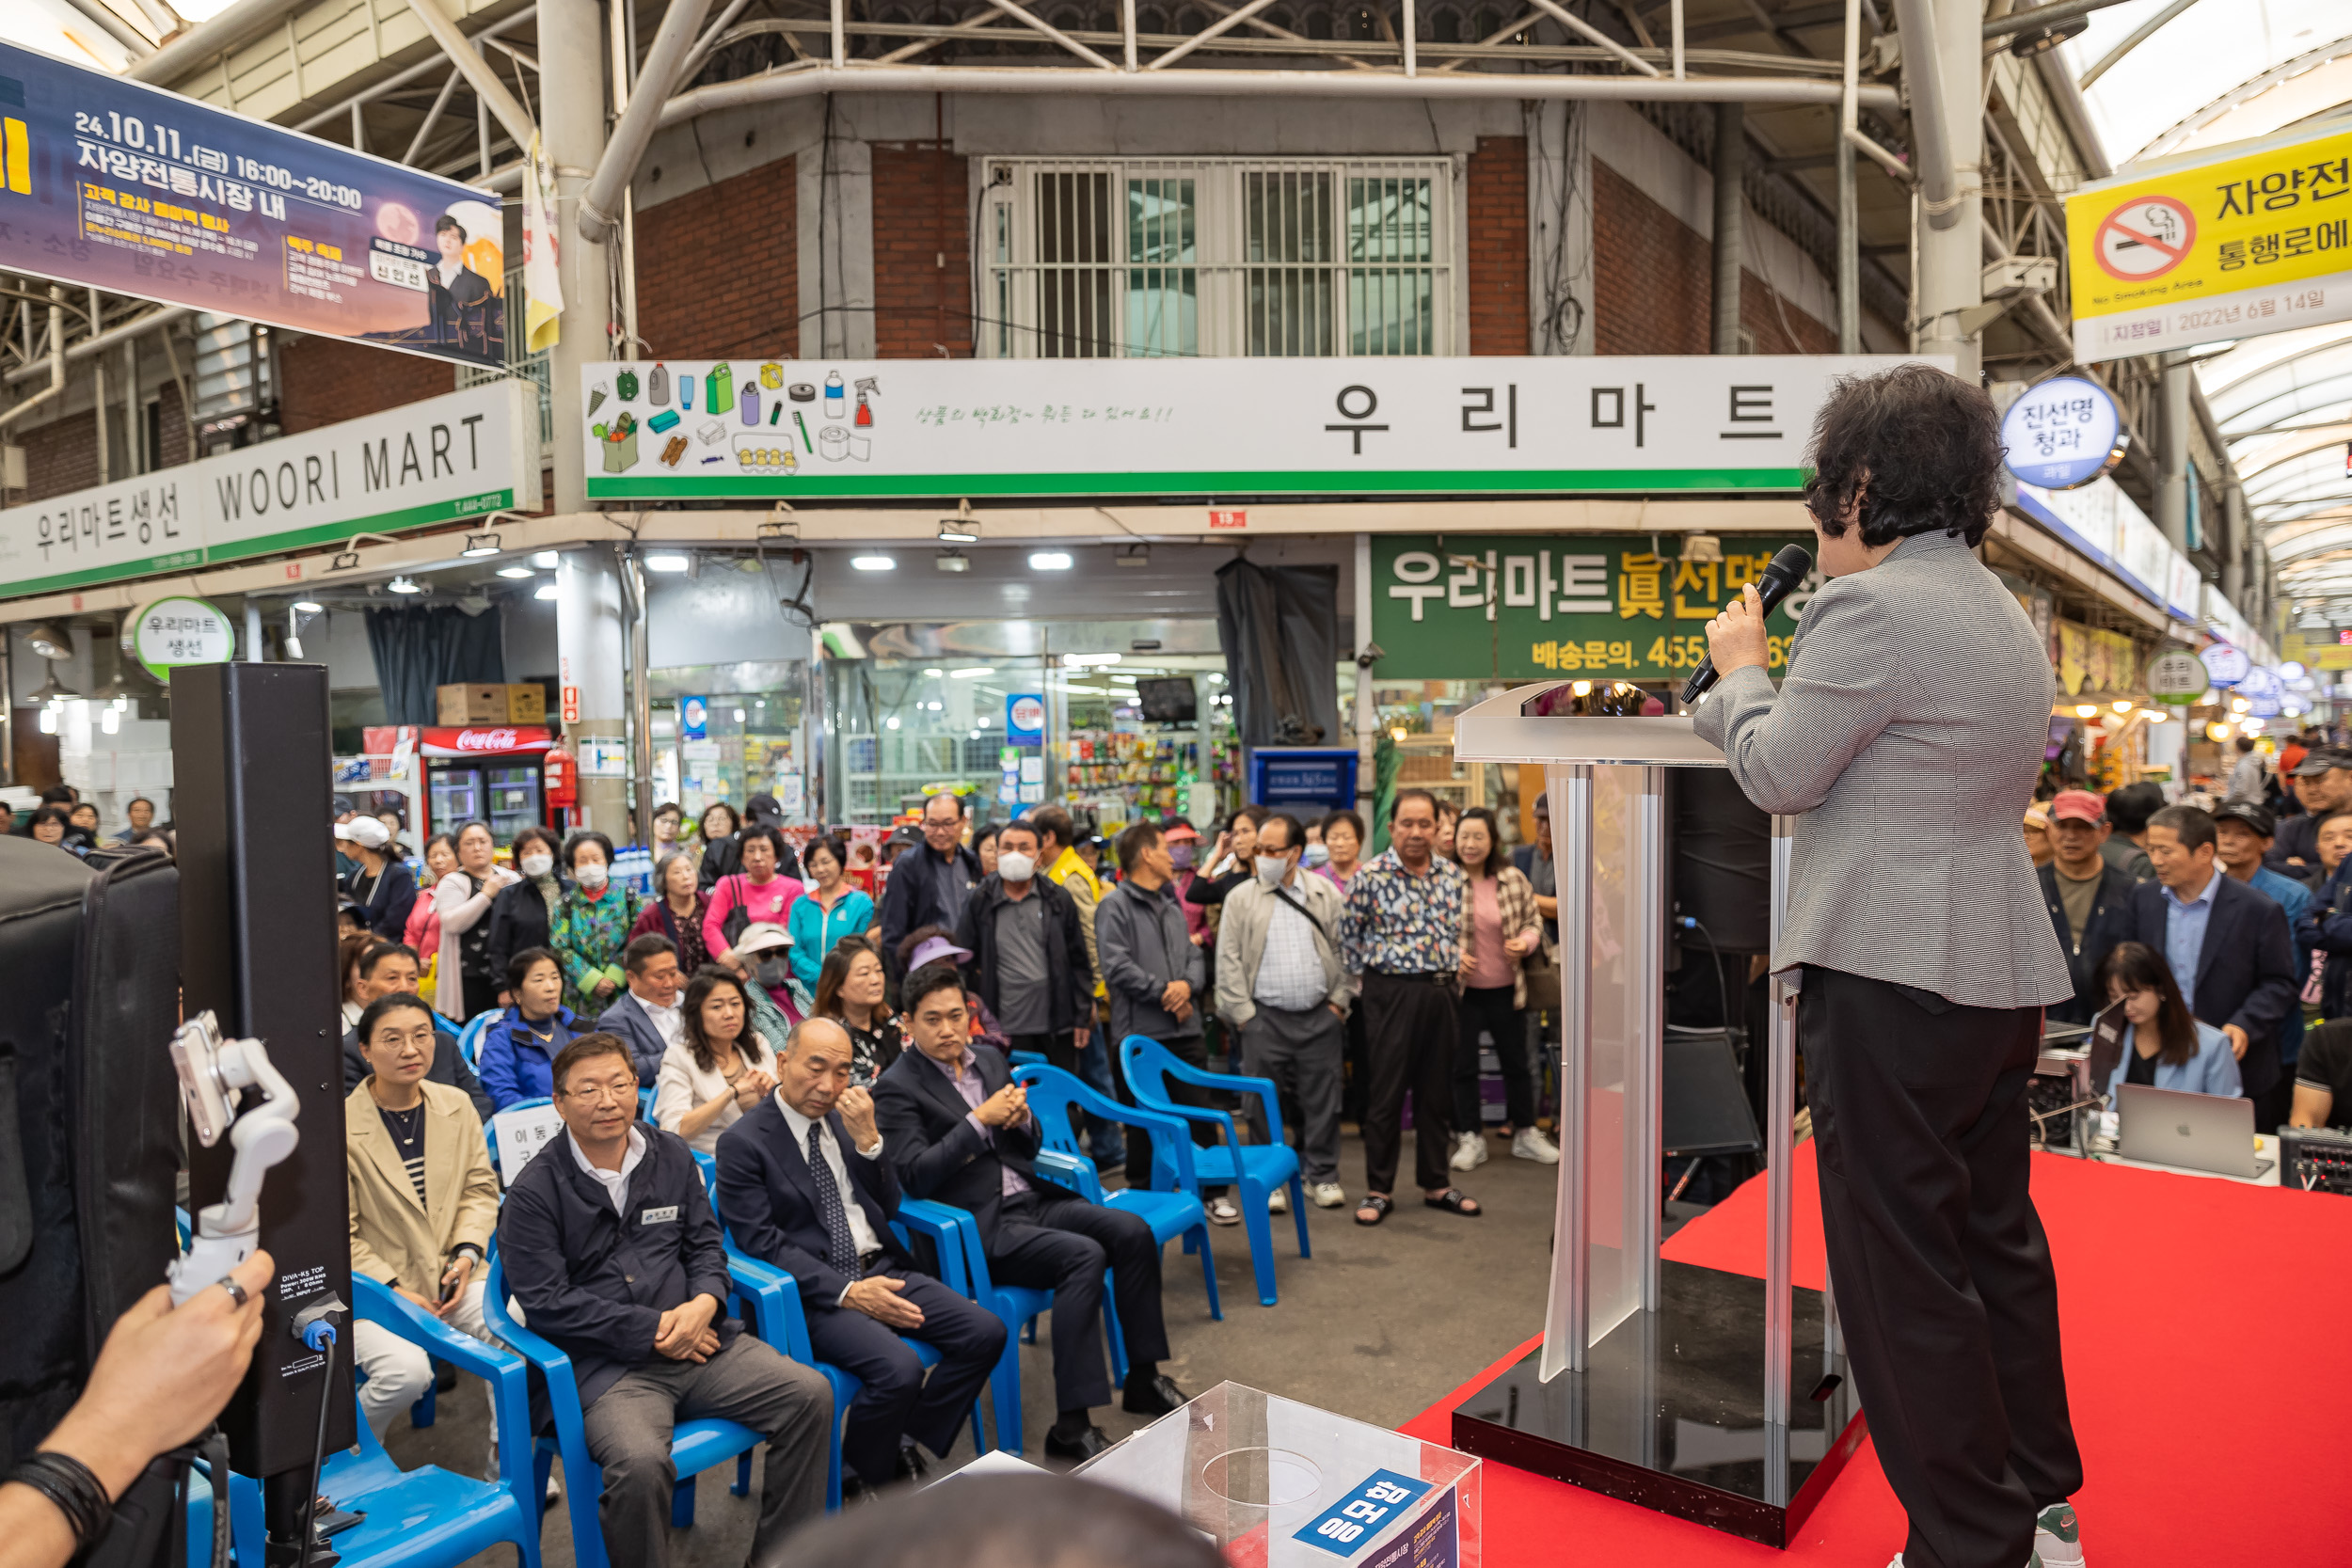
(365, 831)
(2078, 805)
(2322, 759)
(2253, 813)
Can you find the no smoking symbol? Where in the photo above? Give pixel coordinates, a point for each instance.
(2146, 238)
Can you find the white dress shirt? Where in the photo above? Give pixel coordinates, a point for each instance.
(669, 1022)
(1289, 967)
(616, 1182)
(861, 1230)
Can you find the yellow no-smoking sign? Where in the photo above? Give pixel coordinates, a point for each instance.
(2255, 239)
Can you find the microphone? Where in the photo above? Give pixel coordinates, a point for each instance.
(1779, 580)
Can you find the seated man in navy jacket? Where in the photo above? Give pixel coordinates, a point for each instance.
(610, 1248)
(803, 1183)
(956, 1128)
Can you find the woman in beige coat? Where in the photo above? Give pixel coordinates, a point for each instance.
(424, 1200)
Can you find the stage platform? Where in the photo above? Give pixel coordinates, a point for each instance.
(2208, 1353)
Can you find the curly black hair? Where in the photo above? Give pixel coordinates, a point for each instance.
(1918, 448)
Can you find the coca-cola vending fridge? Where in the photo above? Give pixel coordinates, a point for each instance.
(495, 773)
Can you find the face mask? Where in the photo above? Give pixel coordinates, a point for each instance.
(1015, 868)
(1317, 855)
(591, 877)
(1271, 869)
(536, 867)
(1181, 856)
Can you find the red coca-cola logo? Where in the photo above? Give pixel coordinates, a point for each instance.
(487, 740)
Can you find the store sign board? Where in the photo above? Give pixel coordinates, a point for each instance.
(1468, 606)
(1327, 426)
(2063, 433)
(445, 458)
(2212, 248)
(2177, 676)
(2102, 522)
(1025, 719)
(437, 743)
(135, 190)
(2225, 665)
(179, 631)
(2264, 693)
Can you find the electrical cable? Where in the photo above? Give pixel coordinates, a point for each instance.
(318, 1449)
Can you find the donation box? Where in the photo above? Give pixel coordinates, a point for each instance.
(1279, 1484)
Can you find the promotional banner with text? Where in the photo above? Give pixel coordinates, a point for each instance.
(1226, 427)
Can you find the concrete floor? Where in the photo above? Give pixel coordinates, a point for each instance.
(1378, 1325)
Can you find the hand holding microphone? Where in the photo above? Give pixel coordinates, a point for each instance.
(1735, 639)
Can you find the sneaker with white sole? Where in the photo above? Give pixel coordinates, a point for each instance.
(1224, 1211)
(1278, 1201)
(1327, 1195)
(2033, 1559)
(1529, 1143)
(2058, 1537)
(1469, 1150)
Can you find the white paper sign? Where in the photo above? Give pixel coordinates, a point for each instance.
(523, 1131)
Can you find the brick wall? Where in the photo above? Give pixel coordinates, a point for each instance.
(1496, 263)
(1654, 288)
(718, 270)
(62, 455)
(922, 252)
(326, 380)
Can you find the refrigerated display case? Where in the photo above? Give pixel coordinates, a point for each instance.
(496, 775)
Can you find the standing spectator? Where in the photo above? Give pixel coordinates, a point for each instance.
(516, 1054)
(1058, 852)
(1401, 933)
(851, 991)
(423, 1201)
(2038, 847)
(928, 945)
(2091, 901)
(612, 1253)
(1449, 822)
(1343, 844)
(1028, 955)
(1183, 851)
(2333, 842)
(806, 1188)
(141, 816)
(2246, 776)
(1156, 976)
(351, 951)
(2128, 811)
(467, 985)
(960, 1131)
(676, 910)
(764, 894)
(2228, 946)
(1282, 990)
(2327, 927)
(2162, 1046)
(669, 820)
(833, 909)
(648, 1018)
(930, 881)
(2323, 783)
(719, 827)
(2290, 758)
(984, 847)
(1343, 837)
(422, 929)
(1231, 860)
(522, 915)
(383, 886)
(590, 927)
(2243, 834)
(719, 1068)
(1500, 930)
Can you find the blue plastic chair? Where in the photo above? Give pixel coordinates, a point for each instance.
(1026, 1058)
(694, 1445)
(469, 1038)
(247, 1525)
(429, 1516)
(1053, 1094)
(1257, 1169)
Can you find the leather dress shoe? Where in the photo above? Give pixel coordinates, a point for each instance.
(912, 1465)
(1156, 1396)
(1082, 1447)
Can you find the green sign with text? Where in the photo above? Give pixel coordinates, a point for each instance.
(1533, 607)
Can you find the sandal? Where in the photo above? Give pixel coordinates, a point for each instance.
(1375, 1204)
(1456, 1200)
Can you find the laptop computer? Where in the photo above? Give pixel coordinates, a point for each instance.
(2196, 1132)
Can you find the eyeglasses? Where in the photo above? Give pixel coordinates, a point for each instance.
(600, 1093)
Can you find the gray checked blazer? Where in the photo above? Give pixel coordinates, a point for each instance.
(1905, 740)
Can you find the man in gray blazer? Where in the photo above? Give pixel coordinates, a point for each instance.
(1916, 707)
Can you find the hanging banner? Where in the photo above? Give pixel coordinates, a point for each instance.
(2256, 241)
(1472, 606)
(117, 186)
(446, 458)
(1372, 426)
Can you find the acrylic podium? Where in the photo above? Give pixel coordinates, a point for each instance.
(1713, 1396)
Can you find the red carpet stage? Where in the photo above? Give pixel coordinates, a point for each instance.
(2208, 1362)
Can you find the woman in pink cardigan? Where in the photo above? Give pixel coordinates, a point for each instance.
(765, 896)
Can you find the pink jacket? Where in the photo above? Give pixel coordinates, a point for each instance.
(423, 932)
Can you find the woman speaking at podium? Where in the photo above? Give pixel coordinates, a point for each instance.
(1905, 740)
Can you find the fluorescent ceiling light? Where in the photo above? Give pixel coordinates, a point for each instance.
(1049, 560)
(873, 563)
(480, 544)
(959, 530)
(516, 572)
(543, 559)
(547, 590)
(1080, 661)
(403, 585)
(934, 673)
(667, 564)
(975, 671)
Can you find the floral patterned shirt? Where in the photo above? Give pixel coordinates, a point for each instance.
(588, 934)
(1402, 923)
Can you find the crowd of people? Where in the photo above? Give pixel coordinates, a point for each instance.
(2221, 928)
(62, 817)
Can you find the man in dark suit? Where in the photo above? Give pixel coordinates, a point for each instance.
(2090, 900)
(957, 1129)
(2227, 943)
(647, 1018)
(784, 1171)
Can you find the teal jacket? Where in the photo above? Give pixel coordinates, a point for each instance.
(814, 930)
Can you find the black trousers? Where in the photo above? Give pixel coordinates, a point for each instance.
(897, 1398)
(1488, 1007)
(1943, 1275)
(1409, 1034)
(1050, 1240)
